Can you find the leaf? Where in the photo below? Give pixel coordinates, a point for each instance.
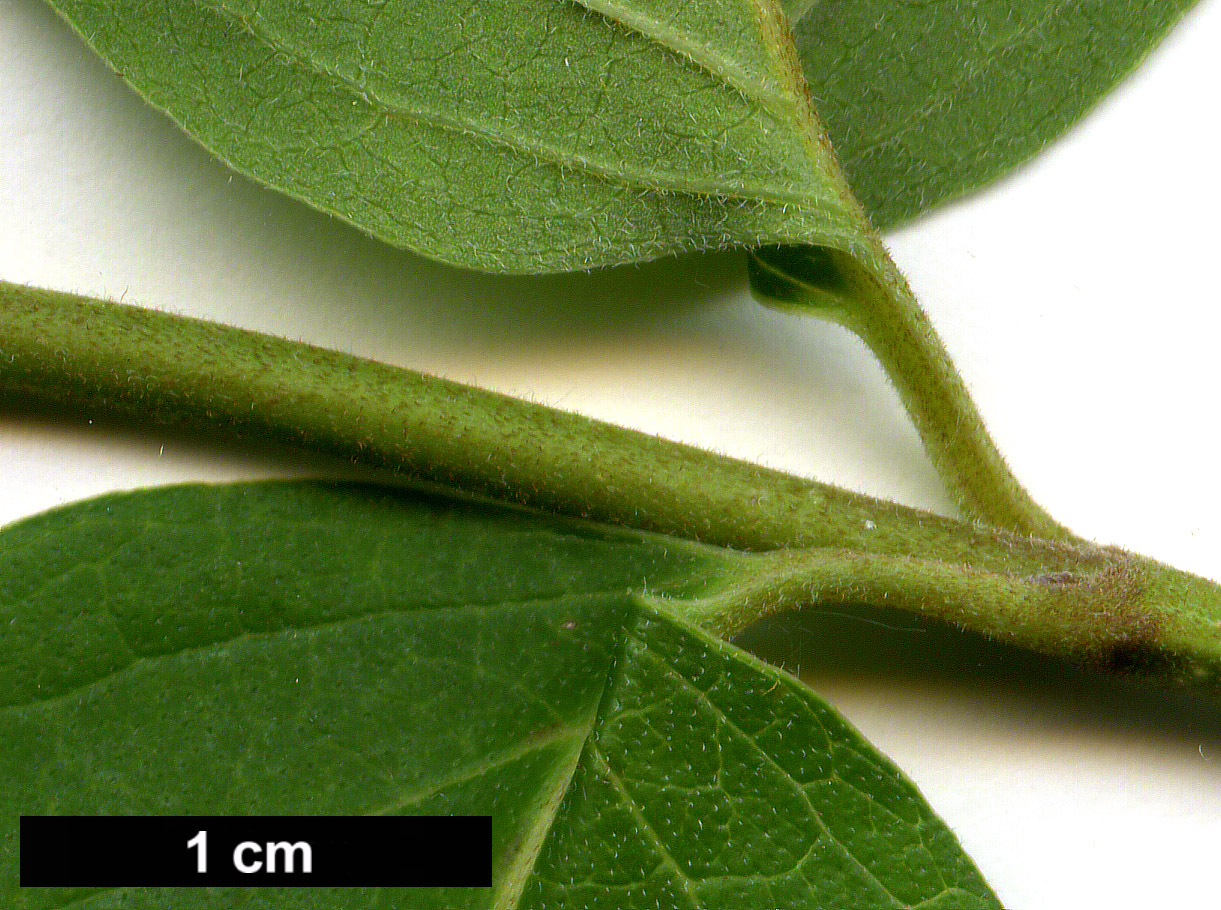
(928, 101)
(507, 135)
(327, 649)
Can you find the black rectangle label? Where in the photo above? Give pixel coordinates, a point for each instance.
(255, 851)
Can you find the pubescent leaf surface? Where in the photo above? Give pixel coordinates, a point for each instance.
(927, 101)
(325, 649)
(507, 135)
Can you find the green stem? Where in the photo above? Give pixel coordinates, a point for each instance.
(1124, 614)
(1100, 605)
(867, 294)
(93, 355)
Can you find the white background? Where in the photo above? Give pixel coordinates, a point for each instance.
(1078, 298)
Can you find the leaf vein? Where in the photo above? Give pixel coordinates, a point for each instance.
(491, 763)
(797, 786)
(715, 63)
(288, 630)
(637, 812)
(723, 186)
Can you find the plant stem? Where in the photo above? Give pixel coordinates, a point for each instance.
(1124, 615)
(1099, 605)
(170, 370)
(866, 293)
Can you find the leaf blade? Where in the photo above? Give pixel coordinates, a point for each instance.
(335, 711)
(514, 137)
(926, 103)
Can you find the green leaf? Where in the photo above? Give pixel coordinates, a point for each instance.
(323, 649)
(928, 101)
(507, 135)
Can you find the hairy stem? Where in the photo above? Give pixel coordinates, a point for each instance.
(1123, 614)
(876, 303)
(1100, 605)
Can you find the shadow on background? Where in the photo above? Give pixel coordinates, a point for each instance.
(612, 301)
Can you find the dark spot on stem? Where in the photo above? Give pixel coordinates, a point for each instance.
(1059, 579)
(1132, 658)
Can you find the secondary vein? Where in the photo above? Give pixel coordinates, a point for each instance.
(490, 763)
(796, 786)
(723, 186)
(716, 63)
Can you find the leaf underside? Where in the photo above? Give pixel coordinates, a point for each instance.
(302, 648)
(506, 135)
(547, 135)
(927, 101)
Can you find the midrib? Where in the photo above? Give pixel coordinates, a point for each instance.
(715, 63)
(653, 180)
(513, 882)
